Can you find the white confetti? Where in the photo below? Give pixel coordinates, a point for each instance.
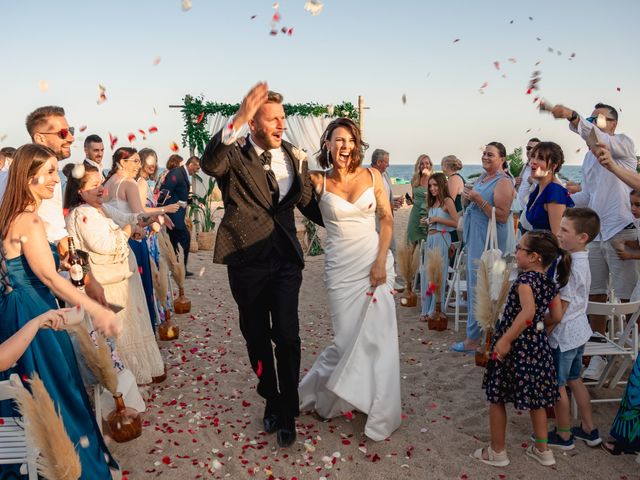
(314, 7)
(84, 442)
(43, 85)
(186, 5)
(78, 171)
(201, 272)
(601, 122)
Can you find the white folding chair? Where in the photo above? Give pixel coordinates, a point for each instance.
(616, 345)
(456, 285)
(14, 447)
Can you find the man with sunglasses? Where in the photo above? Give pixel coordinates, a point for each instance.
(603, 192)
(522, 181)
(48, 126)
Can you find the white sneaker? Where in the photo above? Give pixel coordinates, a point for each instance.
(545, 458)
(596, 368)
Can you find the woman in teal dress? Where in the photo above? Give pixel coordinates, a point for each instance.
(626, 426)
(442, 220)
(417, 231)
(28, 282)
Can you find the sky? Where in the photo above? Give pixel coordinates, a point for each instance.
(380, 50)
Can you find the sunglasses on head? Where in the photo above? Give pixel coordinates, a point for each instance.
(62, 134)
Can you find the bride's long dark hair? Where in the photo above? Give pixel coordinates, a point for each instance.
(323, 157)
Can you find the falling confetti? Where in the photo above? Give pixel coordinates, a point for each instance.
(131, 137)
(3, 137)
(112, 140)
(513, 59)
(456, 40)
(174, 147)
(482, 87)
(314, 7)
(142, 132)
(404, 98)
(496, 64)
(78, 171)
(153, 129)
(618, 89)
(82, 128)
(186, 5)
(84, 442)
(253, 17)
(156, 61)
(43, 85)
(102, 96)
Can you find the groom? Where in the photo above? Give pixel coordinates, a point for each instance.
(261, 181)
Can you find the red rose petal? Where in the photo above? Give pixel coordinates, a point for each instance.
(83, 128)
(259, 369)
(153, 129)
(131, 137)
(112, 140)
(200, 118)
(166, 460)
(174, 147)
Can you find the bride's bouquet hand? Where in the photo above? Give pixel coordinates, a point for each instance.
(378, 274)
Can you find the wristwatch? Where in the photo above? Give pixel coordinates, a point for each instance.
(574, 115)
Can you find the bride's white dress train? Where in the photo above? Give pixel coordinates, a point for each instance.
(361, 369)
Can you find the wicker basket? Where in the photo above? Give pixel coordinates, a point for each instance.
(206, 240)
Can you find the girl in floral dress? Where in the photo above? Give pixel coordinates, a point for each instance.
(520, 369)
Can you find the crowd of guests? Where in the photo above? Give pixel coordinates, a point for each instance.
(572, 244)
(109, 224)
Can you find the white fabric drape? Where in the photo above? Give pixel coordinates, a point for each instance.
(305, 133)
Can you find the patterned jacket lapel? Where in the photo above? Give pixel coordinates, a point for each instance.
(254, 166)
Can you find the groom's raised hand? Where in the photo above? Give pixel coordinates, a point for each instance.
(251, 103)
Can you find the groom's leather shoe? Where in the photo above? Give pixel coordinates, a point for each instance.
(287, 432)
(270, 419)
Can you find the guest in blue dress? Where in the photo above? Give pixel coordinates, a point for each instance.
(492, 189)
(28, 282)
(442, 219)
(549, 199)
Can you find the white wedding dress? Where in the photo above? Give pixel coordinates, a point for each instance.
(361, 369)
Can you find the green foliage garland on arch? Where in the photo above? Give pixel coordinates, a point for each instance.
(196, 136)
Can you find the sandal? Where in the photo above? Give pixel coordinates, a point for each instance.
(424, 318)
(492, 458)
(614, 447)
(459, 347)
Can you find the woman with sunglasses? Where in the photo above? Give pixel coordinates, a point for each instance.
(28, 282)
(122, 193)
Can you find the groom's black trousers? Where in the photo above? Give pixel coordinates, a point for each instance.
(266, 292)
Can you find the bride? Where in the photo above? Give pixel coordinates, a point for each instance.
(361, 369)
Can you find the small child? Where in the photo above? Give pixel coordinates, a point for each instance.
(442, 220)
(578, 227)
(520, 368)
(14, 346)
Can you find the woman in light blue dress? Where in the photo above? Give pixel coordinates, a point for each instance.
(492, 189)
(442, 219)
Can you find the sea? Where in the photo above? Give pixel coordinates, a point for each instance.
(401, 174)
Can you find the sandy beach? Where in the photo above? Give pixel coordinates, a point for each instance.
(204, 421)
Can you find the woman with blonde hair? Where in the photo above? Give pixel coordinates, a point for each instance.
(423, 169)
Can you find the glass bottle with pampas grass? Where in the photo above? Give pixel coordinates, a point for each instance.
(167, 329)
(487, 310)
(123, 423)
(437, 320)
(407, 259)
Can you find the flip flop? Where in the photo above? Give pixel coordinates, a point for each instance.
(459, 348)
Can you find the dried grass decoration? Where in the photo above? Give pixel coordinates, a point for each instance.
(408, 259)
(167, 330)
(486, 309)
(97, 355)
(437, 320)
(58, 459)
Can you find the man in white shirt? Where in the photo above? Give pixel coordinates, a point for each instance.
(608, 196)
(94, 152)
(48, 126)
(522, 181)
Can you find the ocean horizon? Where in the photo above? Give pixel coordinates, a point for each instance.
(401, 174)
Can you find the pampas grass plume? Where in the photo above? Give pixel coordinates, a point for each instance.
(58, 459)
